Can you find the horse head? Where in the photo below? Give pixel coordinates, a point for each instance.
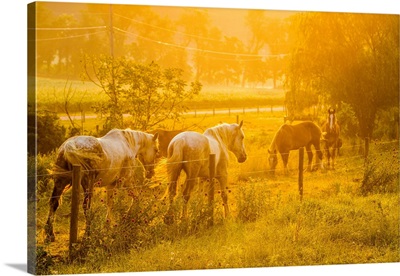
(272, 159)
(148, 153)
(237, 144)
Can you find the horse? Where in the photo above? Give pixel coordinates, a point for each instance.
(164, 138)
(293, 137)
(119, 157)
(330, 137)
(189, 151)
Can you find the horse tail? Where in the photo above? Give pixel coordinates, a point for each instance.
(174, 162)
(82, 156)
(61, 168)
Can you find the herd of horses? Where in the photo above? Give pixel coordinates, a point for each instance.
(128, 157)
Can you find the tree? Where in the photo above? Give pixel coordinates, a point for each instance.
(147, 92)
(44, 131)
(269, 40)
(154, 95)
(346, 57)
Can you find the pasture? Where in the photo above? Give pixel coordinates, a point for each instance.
(347, 215)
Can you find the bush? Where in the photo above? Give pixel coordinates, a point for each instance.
(134, 230)
(44, 261)
(45, 130)
(381, 173)
(252, 202)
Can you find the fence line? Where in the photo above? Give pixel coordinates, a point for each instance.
(188, 161)
(152, 183)
(77, 173)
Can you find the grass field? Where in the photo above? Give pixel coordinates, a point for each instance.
(340, 220)
(81, 95)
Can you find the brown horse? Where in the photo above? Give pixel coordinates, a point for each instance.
(293, 137)
(164, 138)
(330, 137)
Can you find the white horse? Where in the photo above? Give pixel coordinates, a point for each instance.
(189, 151)
(107, 161)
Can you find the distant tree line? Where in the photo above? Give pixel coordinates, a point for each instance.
(148, 65)
(188, 41)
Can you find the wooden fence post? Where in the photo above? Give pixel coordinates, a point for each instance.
(237, 119)
(76, 183)
(211, 189)
(301, 166)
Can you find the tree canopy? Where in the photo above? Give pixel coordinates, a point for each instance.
(351, 58)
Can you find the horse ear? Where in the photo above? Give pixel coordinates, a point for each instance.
(241, 124)
(155, 136)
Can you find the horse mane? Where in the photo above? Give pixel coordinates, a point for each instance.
(221, 133)
(273, 146)
(135, 139)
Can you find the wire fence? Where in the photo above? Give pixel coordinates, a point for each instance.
(162, 179)
(209, 192)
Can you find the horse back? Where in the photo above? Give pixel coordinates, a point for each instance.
(292, 137)
(189, 145)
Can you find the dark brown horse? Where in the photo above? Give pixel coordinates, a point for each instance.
(330, 137)
(293, 137)
(164, 138)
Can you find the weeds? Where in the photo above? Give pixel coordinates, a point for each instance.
(381, 174)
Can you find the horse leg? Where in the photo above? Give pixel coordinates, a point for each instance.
(285, 159)
(87, 195)
(334, 148)
(189, 185)
(110, 203)
(87, 185)
(173, 179)
(328, 156)
(310, 157)
(192, 173)
(223, 181)
(60, 184)
(319, 158)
